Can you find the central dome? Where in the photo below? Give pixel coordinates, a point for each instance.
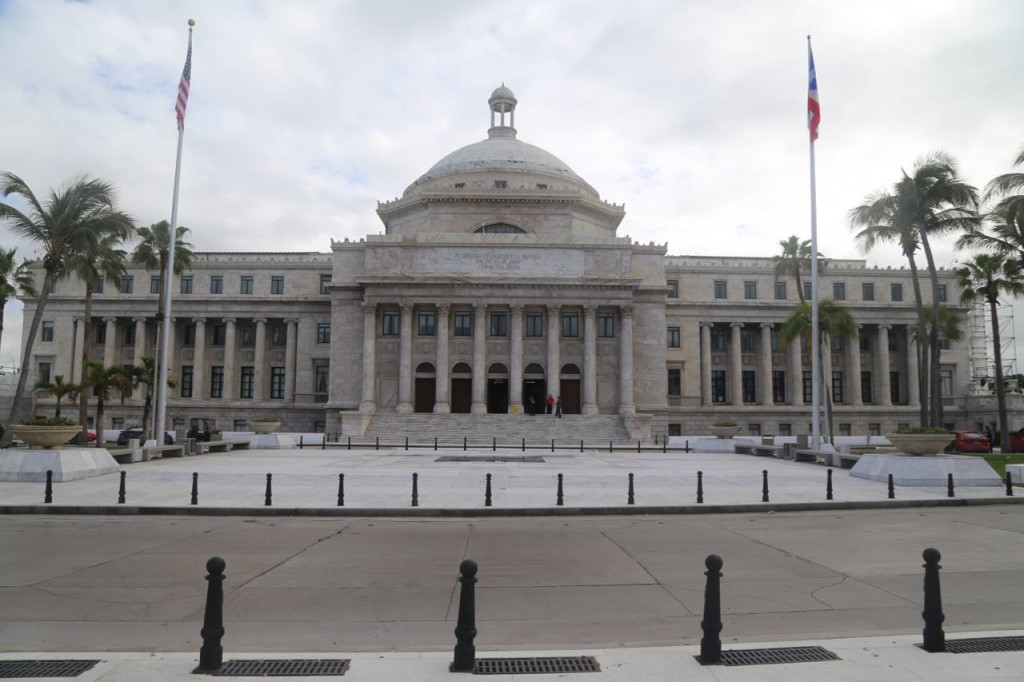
(501, 153)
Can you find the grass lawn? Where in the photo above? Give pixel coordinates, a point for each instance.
(999, 462)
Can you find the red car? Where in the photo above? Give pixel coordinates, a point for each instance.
(1017, 441)
(970, 441)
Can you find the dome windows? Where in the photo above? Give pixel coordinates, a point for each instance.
(500, 228)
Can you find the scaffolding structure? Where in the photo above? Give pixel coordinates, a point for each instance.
(980, 361)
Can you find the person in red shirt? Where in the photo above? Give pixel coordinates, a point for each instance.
(550, 402)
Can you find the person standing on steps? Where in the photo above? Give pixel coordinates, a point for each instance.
(531, 407)
(550, 403)
(558, 407)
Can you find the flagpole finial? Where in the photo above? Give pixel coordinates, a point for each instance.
(192, 22)
(808, 35)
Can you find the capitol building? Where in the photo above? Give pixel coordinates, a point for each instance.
(500, 279)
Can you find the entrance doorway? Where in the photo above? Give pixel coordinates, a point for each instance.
(570, 382)
(462, 388)
(497, 389)
(535, 386)
(426, 388)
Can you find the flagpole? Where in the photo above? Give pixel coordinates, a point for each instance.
(159, 423)
(815, 333)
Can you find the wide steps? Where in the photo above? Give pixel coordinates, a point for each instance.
(571, 428)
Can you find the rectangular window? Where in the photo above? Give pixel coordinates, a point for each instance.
(216, 284)
(894, 387)
(325, 285)
(780, 291)
(865, 387)
(942, 293)
(605, 325)
(427, 323)
(776, 339)
(248, 377)
(186, 284)
(278, 335)
(750, 290)
(154, 284)
(186, 381)
(719, 339)
(720, 289)
(500, 184)
(778, 386)
(47, 331)
(785, 429)
(217, 381)
(718, 385)
(837, 343)
(248, 336)
(865, 344)
(749, 386)
(189, 335)
(748, 341)
(534, 325)
(675, 382)
(754, 429)
(240, 425)
(101, 334)
(499, 324)
(874, 429)
(570, 325)
(391, 323)
(839, 291)
(673, 288)
(323, 332)
(219, 335)
(129, 335)
(127, 284)
(673, 337)
(808, 386)
(43, 372)
(178, 423)
(277, 383)
(463, 323)
(844, 429)
(245, 285)
(807, 291)
(896, 292)
(837, 386)
(944, 344)
(675, 429)
(117, 423)
(97, 286)
(277, 285)
(867, 291)
(946, 382)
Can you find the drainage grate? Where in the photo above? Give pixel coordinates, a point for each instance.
(527, 666)
(311, 667)
(984, 645)
(530, 459)
(795, 654)
(21, 669)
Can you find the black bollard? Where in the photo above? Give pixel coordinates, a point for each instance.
(949, 485)
(465, 628)
(120, 490)
(407, 443)
(487, 492)
(610, 446)
(638, 447)
(559, 499)
(435, 443)
(350, 443)
(376, 445)
(664, 444)
(48, 493)
(700, 487)
(828, 486)
(463, 443)
(629, 497)
(211, 655)
(892, 489)
(195, 488)
(494, 444)
(268, 497)
(934, 637)
(1009, 485)
(323, 443)
(524, 445)
(552, 445)
(764, 485)
(341, 490)
(581, 445)
(711, 642)
(415, 490)
(300, 443)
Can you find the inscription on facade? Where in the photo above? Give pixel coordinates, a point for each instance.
(480, 261)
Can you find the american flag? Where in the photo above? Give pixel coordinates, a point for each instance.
(813, 106)
(186, 80)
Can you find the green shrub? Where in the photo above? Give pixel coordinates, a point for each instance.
(910, 430)
(725, 423)
(265, 419)
(51, 421)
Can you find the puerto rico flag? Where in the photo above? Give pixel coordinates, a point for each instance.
(813, 106)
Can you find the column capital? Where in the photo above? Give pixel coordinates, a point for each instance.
(136, 320)
(589, 308)
(370, 306)
(553, 309)
(405, 305)
(230, 320)
(479, 310)
(767, 325)
(736, 325)
(259, 320)
(444, 308)
(199, 320)
(108, 320)
(886, 327)
(516, 308)
(626, 310)
(291, 320)
(707, 325)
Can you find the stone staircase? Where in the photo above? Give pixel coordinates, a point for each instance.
(479, 429)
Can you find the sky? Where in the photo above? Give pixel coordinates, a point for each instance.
(304, 114)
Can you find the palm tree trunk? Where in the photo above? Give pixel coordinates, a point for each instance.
(3, 306)
(1004, 431)
(83, 396)
(26, 358)
(99, 420)
(799, 284)
(933, 336)
(922, 345)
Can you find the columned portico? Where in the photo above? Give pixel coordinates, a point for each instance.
(589, 359)
(705, 364)
(515, 360)
(405, 360)
(626, 406)
(479, 359)
(368, 404)
(442, 382)
(765, 369)
(553, 371)
(736, 364)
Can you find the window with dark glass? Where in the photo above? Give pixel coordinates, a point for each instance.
(720, 289)
(837, 343)
(750, 290)
(605, 325)
(780, 291)
(219, 335)
(839, 291)
(279, 335)
(186, 284)
(748, 340)
(277, 285)
(808, 386)
(778, 386)
(427, 323)
(534, 325)
(499, 324)
(47, 331)
(247, 335)
(463, 323)
(390, 323)
(894, 388)
(101, 334)
(785, 429)
(775, 339)
(325, 285)
(718, 385)
(896, 292)
(867, 291)
(276, 383)
(807, 291)
(837, 386)
(749, 386)
(189, 335)
(216, 284)
(97, 286)
(865, 344)
(675, 382)
(673, 337)
(217, 381)
(865, 387)
(247, 378)
(719, 339)
(673, 288)
(570, 325)
(946, 382)
(154, 284)
(245, 285)
(942, 293)
(129, 335)
(186, 381)
(43, 370)
(127, 284)
(323, 332)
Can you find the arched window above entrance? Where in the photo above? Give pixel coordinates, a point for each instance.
(500, 228)
(424, 368)
(497, 368)
(570, 369)
(534, 368)
(462, 368)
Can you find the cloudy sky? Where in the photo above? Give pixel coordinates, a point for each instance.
(305, 113)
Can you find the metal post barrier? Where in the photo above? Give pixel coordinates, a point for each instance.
(435, 443)
(1009, 485)
(463, 443)
(609, 446)
(415, 490)
(341, 490)
(301, 444)
(949, 485)
(323, 443)
(350, 442)
(48, 492)
(465, 629)
(764, 485)
(211, 654)
(664, 444)
(638, 447)
(407, 443)
(487, 492)
(934, 637)
(376, 445)
(700, 487)
(559, 499)
(629, 496)
(711, 625)
(892, 489)
(268, 497)
(581, 445)
(828, 486)
(552, 445)
(120, 490)
(494, 444)
(195, 488)
(524, 445)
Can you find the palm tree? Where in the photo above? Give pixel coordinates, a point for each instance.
(1001, 186)
(988, 277)
(1003, 232)
(70, 216)
(59, 389)
(14, 279)
(106, 383)
(145, 375)
(834, 322)
(794, 260)
(153, 252)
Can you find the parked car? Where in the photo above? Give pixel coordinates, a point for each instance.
(1017, 441)
(77, 438)
(136, 432)
(203, 430)
(969, 441)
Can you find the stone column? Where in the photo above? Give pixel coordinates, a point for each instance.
(368, 405)
(110, 341)
(913, 387)
(826, 366)
(230, 347)
(736, 364)
(765, 370)
(442, 375)
(76, 350)
(515, 364)
(853, 367)
(405, 360)
(884, 394)
(590, 359)
(626, 406)
(479, 359)
(259, 369)
(140, 340)
(796, 374)
(553, 371)
(199, 359)
(705, 363)
(290, 354)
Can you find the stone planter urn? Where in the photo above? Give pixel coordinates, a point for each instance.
(919, 444)
(724, 431)
(44, 437)
(265, 426)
